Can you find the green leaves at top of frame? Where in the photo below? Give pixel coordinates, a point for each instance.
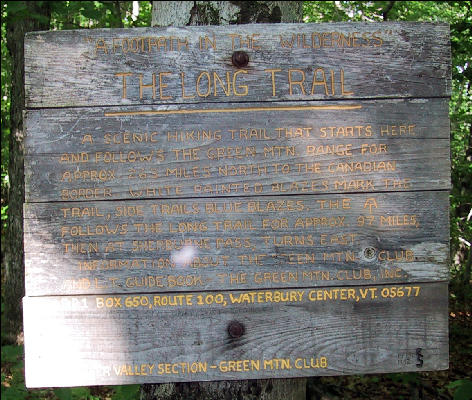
(18, 10)
(99, 14)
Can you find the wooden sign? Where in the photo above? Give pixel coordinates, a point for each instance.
(206, 151)
(254, 201)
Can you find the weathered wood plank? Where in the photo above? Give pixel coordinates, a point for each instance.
(331, 215)
(248, 242)
(55, 130)
(196, 151)
(286, 62)
(73, 341)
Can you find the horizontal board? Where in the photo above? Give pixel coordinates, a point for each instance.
(52, 131)
(72, 341)
(194, 64)
(235, 150)
(248, 242)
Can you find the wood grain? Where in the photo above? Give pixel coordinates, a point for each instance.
(389, 59)
(286, 149)
(70, 342)
(286, 241)
(170, 193)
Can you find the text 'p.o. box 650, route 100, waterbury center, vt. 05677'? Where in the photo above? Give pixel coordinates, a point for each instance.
(253, 201)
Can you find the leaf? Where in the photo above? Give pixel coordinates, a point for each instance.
(63, 393)
(75, 393)
(126, 392)
(405, 377)
(463, 391)
(13, 393)
(16, 6)
(11, 354)
(80, 393)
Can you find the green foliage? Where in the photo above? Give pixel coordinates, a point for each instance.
(5, 121)
(370, 11)
(17, 11)
(461, 154)
(405, 378)
(126, 392)
(77, 393)
(13, 386)
(99, 14)
(11, 354)
(462, 389)
(4, 213)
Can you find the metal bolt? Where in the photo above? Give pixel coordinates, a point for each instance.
(235, 329)
(240, 59)
(369, 252)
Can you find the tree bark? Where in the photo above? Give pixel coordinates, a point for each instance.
(182, 13)
(29, 16)
(177, 13)
(267, 389)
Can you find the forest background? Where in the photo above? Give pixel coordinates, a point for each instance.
(455, 383)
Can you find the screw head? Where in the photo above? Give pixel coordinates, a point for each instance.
(369, 253)
(240, 59)
(235, 329)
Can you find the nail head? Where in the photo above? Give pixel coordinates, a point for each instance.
(235, 329)
(240, 59)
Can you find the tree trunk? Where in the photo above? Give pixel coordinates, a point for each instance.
(267, 389)
(28, 16)
(181, 13)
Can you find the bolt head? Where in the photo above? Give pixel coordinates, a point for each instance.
(240, 59)
(369, 252)
(235, 329)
